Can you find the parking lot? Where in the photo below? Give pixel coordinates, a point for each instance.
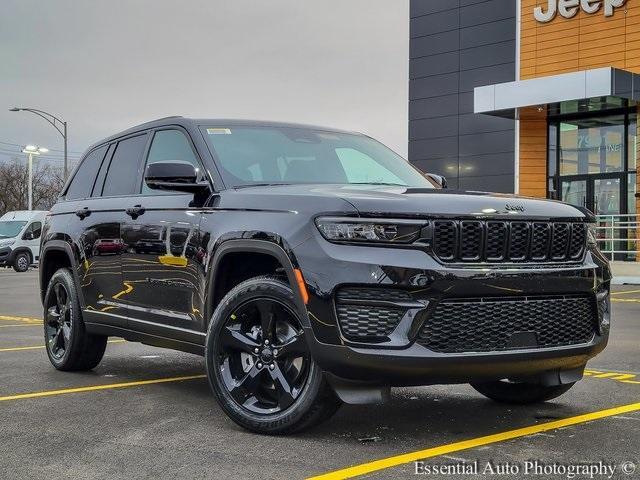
(148, 413)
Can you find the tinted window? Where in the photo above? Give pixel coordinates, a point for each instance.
(170, 145)
(97, 187)
(122, 177)
(82, 182)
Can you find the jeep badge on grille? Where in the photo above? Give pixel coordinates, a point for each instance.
(514, 207)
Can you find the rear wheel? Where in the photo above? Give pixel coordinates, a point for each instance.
(69, 346)
(21, 262)
(522, 393)
(258, 362)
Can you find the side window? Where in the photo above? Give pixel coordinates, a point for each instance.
(97, 186)
(361, 168)
(122, 176)
(34, 229)
(82, 181)
(170, 145)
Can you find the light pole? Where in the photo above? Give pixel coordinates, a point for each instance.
(32, 150)
(58, 124)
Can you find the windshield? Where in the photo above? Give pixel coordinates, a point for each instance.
(286, 155)
(11, 228)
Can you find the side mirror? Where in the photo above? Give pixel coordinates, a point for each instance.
(28, 236)
(175, 175)
(439, 180)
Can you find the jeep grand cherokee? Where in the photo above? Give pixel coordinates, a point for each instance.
(311, 267)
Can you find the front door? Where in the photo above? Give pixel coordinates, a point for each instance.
(161, 265)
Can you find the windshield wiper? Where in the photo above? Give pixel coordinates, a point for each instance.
(260, 185)
(379, 183)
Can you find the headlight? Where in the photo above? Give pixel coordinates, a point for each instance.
(6, 243)
(336, 229)
(592, 239)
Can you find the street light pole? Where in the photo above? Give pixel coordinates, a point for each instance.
(58, 124)
(30, 154)
(31, 150)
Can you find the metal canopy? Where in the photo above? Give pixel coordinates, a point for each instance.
(505, 99)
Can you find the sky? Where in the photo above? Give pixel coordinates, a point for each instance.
(106, 65)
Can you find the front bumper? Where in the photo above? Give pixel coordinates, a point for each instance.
(400, 359)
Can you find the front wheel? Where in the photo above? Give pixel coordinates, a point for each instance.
(521, 393)
(258, 362)
(21, 262)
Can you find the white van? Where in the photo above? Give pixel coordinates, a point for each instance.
(20, 238)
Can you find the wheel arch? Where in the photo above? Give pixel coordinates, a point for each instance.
(55, 255)
(18, 251)
(262, 247)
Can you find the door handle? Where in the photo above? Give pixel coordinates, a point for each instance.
(83, 213)
(135, 211)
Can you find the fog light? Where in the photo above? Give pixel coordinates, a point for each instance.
(604, 311)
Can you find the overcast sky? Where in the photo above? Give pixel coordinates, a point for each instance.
(106, 65)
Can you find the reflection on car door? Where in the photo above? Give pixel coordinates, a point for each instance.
(161, 264)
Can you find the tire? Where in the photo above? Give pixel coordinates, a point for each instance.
(69, 347)
(21, 262)
(247, 373)
(520, 393)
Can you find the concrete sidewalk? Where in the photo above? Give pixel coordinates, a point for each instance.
(626, 273)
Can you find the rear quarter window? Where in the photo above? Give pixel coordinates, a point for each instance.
(82, 182)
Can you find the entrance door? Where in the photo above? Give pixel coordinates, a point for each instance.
(602, 195)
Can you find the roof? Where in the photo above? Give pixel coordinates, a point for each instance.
(223, 122)
(23, 214)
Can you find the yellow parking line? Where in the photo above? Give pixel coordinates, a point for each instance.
(384, 463)
(10, 318)
(628, 300)
(38, 347)
(22, 325)
(626, 292)
(92, 388)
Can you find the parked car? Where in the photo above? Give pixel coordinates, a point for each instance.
(323, 268)
(20, 238)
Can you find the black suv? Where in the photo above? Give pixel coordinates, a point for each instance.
(312, 267)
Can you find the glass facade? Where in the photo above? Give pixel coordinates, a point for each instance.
(592, 163)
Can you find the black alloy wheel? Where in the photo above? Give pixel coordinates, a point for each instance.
(58, 321)
(262, 356)
(258, 360)
(69, 346)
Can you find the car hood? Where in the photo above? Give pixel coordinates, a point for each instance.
(371, 200)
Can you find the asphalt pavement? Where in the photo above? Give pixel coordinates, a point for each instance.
(146, 412)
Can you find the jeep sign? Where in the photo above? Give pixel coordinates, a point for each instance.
(569, 8)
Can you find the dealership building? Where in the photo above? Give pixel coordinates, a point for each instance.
(537, 97)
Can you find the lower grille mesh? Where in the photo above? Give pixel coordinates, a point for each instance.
(494, 324)
(361, 319)
(363, 322)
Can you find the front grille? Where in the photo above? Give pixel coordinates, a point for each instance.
(495, 324)
(513, 241)
(362, 320)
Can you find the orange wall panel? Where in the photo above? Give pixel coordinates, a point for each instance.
(579, 43)
(564, 45)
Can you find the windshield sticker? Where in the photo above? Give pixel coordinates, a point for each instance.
(219, 131)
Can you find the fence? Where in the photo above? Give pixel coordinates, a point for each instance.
(619, 236)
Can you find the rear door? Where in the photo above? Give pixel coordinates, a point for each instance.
(160, 266)
(98, 217)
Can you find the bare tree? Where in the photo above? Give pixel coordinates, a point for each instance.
(14, 177)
